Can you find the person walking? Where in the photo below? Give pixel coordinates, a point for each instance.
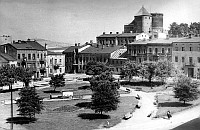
(169, 114)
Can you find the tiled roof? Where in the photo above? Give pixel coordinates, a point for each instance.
(164, 41)
(143, 12)
(22, 46)
(100, 50)
(186, 39)
(54, 53)
(108, 35)
(128, 35)
(119, 54)
(7, 57)
(140, 42)
(71, 49)
(36, 45)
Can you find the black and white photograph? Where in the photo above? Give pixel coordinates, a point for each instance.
(99, 65)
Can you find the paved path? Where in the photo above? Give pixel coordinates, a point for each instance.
(140, 121)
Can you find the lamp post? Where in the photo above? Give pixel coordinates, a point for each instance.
(11, 99)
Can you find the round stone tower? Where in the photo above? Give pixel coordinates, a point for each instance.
(143, 20)
(157, 22)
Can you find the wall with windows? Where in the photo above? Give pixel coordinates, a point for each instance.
(186, 56)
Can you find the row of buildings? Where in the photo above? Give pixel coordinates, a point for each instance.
(142, 40)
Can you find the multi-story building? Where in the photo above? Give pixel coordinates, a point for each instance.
(97, 53)
(55, 63)
(72, 64)
(186, 55)
(122, 39)
(117, 60)
(28, 54)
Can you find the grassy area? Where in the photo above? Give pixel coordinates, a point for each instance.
(168, 102)
(54, 117)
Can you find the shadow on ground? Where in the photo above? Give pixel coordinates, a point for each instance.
(142, 83)
(21, 120)
(173, 104)
(83, 104)
(93, 116)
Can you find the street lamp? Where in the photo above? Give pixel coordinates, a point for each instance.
(11, 98)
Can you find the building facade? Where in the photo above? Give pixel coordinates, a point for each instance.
(28, 54)
(186, 55)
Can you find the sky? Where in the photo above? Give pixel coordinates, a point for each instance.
(79, 21)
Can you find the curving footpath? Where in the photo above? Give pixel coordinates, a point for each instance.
(140, 121)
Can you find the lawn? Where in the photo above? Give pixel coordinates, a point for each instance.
(55, 117)
(167, 102)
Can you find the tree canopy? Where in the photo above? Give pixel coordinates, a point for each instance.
(57, 81)
(95, 68)
(29, 103)
(105, 95)
(185, 89)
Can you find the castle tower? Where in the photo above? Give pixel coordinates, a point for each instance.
(157, 22)
(141, 23)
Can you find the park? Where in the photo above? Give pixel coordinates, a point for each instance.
(98, 99)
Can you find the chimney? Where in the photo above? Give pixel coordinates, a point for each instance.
(91, 41)
(19, 41)
(110, 32)
(75, 44)
(5, 49)
(117, 32)
(45, 45)
(78, 44)
(28, 39)
(13, 41)
(104, 33)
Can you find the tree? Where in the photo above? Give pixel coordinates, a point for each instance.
(164, 69)
(130, 69)
(95, 68)
(7, 75)
(29, 103)
(24, 75)
(185, 89)
(105, 95)
(57, 81)
(150, 70)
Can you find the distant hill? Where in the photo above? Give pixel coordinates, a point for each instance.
(52, 44)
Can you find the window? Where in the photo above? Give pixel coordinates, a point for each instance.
(190, 60)
(18, 56)
(163, 50)
(183, 59)
(50, 61)
(176, 48)
(169, 50)
(60, 70)
(60, 61)
(190, 48)
(150, 50)
(23, 55)
(198, 58)
(55, 61)
(29, 56)
(183, 48)
(38, 56)
(176, 58)
(156, 50)
(41, 56)
(33, 57)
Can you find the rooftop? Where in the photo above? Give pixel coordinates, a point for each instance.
(99, 50)
(7, 57)
(109, 35)
(54, 53)
(119, 54)
(32, 45)
(164, 41)
(71, 49)
(187, 39)
(143, 12)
